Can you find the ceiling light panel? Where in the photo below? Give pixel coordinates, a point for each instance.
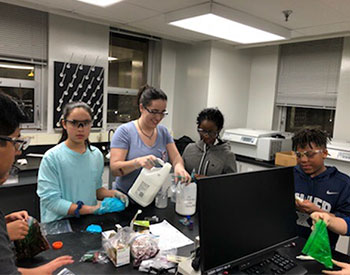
(226, 23)
(221, 27)
(101, 3)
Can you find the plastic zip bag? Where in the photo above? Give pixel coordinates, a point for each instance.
(95, 256)
(159, 264)
(56, 227)
(116, 245)
(143, 247)
(33, 243)
(317, 245)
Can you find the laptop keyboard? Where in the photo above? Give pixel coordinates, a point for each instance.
(276, 264)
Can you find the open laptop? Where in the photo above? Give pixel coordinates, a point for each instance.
(245, 216)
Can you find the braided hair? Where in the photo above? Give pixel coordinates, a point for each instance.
(306, 136)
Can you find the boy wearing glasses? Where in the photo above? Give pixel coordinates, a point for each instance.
(317, 187)
(10, 146)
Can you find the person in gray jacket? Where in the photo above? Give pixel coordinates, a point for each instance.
(210, 155)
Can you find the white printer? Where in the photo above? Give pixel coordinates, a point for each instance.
(339, 150)
(258, 144)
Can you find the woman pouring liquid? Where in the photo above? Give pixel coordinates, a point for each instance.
(139, 143)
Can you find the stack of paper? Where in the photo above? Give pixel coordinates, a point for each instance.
(169, 236)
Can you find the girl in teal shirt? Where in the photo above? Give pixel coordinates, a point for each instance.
(70, 174)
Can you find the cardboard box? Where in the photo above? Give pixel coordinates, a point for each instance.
(118, 254)
(287, 158)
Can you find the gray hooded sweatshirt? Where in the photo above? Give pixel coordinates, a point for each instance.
(209, 160)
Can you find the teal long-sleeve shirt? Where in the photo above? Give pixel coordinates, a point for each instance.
(66, 177)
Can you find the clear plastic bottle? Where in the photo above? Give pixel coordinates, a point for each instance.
(186, 197)
(161, 200)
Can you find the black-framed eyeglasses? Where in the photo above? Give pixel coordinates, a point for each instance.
(308, 154)
(211, 134)
(20, 144)
(78, 123)
(156, 112)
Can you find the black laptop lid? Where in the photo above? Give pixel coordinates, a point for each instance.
(242, 215)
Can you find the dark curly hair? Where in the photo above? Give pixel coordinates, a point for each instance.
(212, 114)
(306, 136)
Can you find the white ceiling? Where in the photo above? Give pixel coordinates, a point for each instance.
(310, 18)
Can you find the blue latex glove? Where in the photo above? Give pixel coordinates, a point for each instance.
(124, 198)
(110, 205)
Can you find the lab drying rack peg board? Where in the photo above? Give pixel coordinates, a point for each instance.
(78, 82)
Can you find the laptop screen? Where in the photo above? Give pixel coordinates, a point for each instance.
(243, 215)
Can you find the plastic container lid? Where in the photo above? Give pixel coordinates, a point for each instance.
(57, 245)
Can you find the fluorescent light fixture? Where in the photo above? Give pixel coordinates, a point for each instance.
(19, 67)
(111, 58)
(101, 3)
(225, 23)
(137, 64)
(221, 27)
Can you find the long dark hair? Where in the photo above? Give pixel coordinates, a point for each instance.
(148, 93)
(68, 108)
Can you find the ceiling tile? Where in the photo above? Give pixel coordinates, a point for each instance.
(309, 17)
(158, 26)
(68, 5)
(305, 13)
(120, 12)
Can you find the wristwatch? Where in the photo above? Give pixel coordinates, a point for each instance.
(76, 211)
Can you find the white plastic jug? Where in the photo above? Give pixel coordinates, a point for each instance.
(148, 183)
(186, 197)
